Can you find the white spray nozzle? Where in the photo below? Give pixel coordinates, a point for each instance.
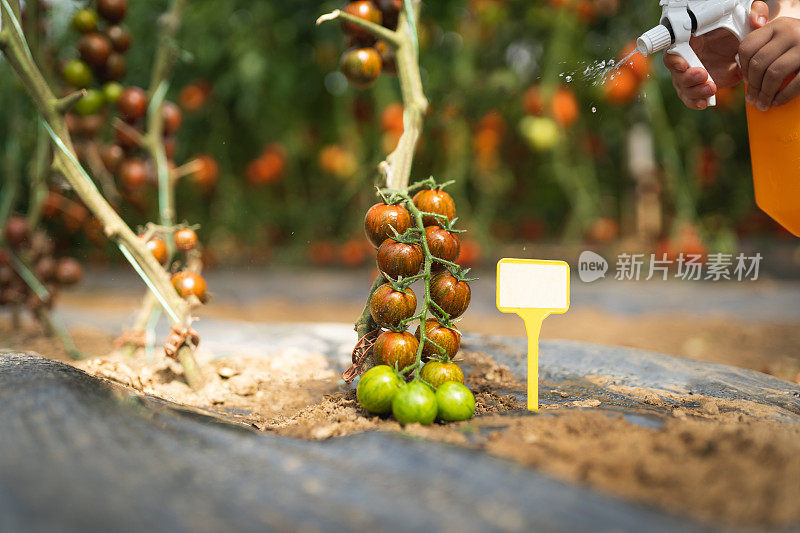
(654, 40)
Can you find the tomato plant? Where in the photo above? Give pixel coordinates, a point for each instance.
(435, 201)
(450, 294)
(442, 243)
(185, 239)
(189, 283)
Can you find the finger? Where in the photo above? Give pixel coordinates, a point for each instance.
(774, 76)
(757, 68)
(751, 44)
(699, 104)
(699, 92)
(789, 92)
(675, 63)
(759, 14)
(693, 77)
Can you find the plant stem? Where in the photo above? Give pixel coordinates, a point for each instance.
(16, 51)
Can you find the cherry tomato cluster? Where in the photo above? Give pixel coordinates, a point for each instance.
(424, 247)
(366, 57)
(102, 45)
(186, 281)
(34, 251)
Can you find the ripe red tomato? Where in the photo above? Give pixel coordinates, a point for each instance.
(361, 66)
(353, 253)
(366, 10)
(397, 259)
(470, 253)
(194, 96)
(74, 216)
(392, 118)
(189, 283)
(52, 206)
(442, 243)
(17, 231)
(45, 268)
(158, 248)
(436, 372)
(390, 307)
(450, 294)
(390, 9)
(172, 117)
(564, 107)
(112, 155)
(132, 104)
(380, 220)
(94, 49)
(435, 201)
(185, 239)
(448, 339)
(69, 271)
(622, 86)
(396, 349)
(120, 37)
(533, 101)
(116, 67)
(112, 10)
(207, 173)
(133, 174)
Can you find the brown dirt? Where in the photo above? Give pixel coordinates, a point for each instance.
(724, 461)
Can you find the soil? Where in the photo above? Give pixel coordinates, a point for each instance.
(724, 462)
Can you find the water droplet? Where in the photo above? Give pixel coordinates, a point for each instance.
(594, 109)
(568, 78)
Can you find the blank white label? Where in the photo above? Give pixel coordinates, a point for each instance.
(533, 285)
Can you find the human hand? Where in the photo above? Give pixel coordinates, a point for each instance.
(770, 55)
(717, 51)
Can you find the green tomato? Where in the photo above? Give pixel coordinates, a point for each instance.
(437, 372)
(455, 401)
(377, 388)
(85, 21)
(77, 73)
(415, 402)
(92, 102)
(112, 90)
(542, 133)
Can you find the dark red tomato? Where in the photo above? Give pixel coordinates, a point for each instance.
(112, 10)
(435, 201)
(398, 350)
(132, 174)
(17, 232)
(158, 248)
(69, 271)
(94, 49)
(52, 206)
(361, 66)
(366, 10)
(388, 58)
(172, 116)
(442, 243)
(390, 307)
(380, 220)
(436, 373)
(120, 37)
(116, 67)
(132, 104)
(390, 9)
(185, 239)
(45, 268)
(74, 216)
(170, 147)
(448, 339)
(189, 283)
(397, 259)
(450, 294)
